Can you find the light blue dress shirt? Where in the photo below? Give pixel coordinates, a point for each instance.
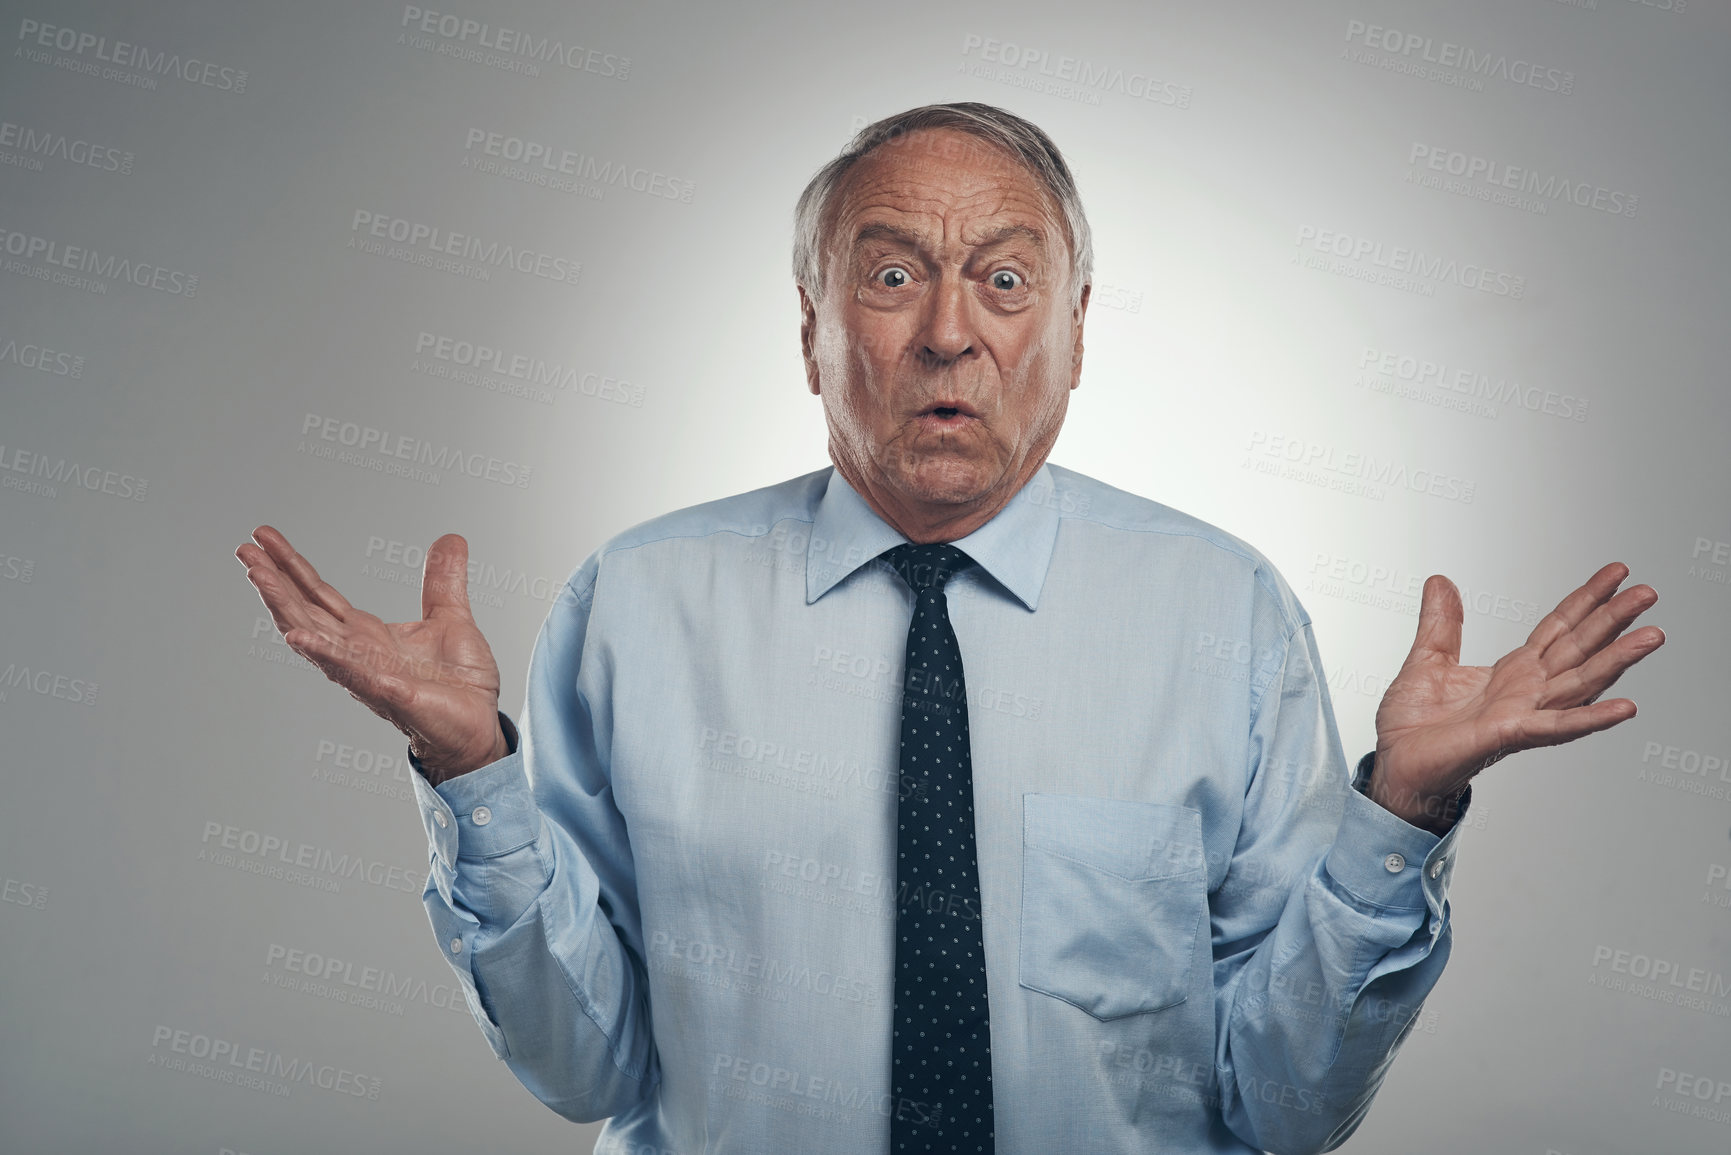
(674, 904)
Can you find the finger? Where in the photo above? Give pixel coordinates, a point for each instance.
(1600, 627)
(1439, 620)
(288, 608)
(299, 570)
(445, 578)
(1572, 610)
(1554, 727)
(1587, 681)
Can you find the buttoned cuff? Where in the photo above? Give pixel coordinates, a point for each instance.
(1384, 860)
(482, 814)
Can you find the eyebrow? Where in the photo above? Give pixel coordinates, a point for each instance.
(888, 232)
(883, 232)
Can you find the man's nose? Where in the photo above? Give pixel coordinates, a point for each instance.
(949, 329)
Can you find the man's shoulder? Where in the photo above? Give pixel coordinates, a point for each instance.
(754, 513)
(1084, 498)
(750, 514)
(1151, 524)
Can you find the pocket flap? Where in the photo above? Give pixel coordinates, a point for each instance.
(1134, 840)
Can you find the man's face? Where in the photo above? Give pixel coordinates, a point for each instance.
(945, 345)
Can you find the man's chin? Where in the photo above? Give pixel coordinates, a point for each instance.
(948, 483)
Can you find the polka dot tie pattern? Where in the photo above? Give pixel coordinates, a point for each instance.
(941, 1049)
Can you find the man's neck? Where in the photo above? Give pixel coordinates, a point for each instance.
(927, 522)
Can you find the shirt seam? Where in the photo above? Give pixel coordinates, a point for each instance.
(622, 547)
(1259, 570)
(1381, 906)
(1258, 693)
(587, 1004)
(590, 1010)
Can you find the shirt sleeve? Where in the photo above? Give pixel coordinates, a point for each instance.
(1325, 950)
(530, 875)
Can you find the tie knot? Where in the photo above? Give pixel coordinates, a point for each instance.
(926, 567)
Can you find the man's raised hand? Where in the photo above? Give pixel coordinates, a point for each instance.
(1441, 722)
(435, 679)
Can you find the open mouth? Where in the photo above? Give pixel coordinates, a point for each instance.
(949, 411)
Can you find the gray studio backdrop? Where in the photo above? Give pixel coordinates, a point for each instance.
(1386, 289)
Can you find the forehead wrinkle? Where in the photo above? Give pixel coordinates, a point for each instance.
(1004, 233)
(984, 234)
(917, 192)
(882, 231)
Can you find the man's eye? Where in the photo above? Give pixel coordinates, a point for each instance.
(1006, 280)
(893, 278)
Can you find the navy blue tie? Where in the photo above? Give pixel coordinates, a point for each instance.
(941, 1049)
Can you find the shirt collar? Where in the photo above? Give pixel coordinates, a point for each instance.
(1015, 546)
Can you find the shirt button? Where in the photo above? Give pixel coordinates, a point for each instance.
(439, 817)
(456, 946)
(482, 816)
(1394, 863)
(1436, 868)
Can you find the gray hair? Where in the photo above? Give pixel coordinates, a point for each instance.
(1022, 140)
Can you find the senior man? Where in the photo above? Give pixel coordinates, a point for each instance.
(945, 799)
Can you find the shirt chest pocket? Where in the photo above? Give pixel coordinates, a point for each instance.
(1114, 894)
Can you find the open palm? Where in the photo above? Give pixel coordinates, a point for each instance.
(1440, 722)
(434, 679)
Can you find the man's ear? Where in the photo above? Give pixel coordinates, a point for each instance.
(1077, 316)
(808, 336)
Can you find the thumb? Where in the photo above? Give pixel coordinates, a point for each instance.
(445, 578)
(1439, 620)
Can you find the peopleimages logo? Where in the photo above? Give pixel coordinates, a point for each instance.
(395, 560)
(1446, 61)
(1518, 186)
(35, 145)
(1410, 375)
(257, 852)
(1710, 561)
(795, 767)
(339, 980)
(1399, 266)
(16, 569)
(727, 967)
(29, 355)
(463, 253)
(85, 267)
(256, 1068)
(1362, 474)
(1391, 587)
(508, 48)
(1661, 980)
(460, 359)
(42, 474)
(540, 162)
(807, 1093)
(46, 683)
(1070, 77)
(1684, 1093)
(89, 48)
(401, 452)
(25, 894)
